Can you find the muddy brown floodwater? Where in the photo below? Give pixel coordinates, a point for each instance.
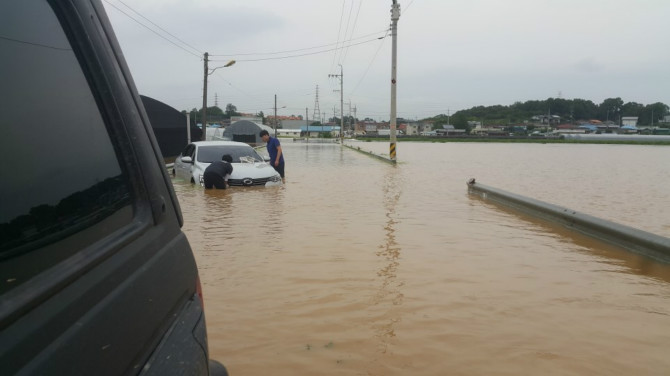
(358, 267)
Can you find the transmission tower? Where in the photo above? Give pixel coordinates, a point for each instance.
(317, 110)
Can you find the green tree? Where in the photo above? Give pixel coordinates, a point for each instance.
(460, 121)
(653, 112)
(231, 110)
(214, 114)
(584, 109)
(568, 109)
(610, 109)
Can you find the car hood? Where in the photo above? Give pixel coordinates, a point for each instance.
(258, 170)
(254, 171)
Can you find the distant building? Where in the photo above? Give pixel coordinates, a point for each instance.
(547, 119)
(245, 131)
(629, 120)
(255, 119)
(412, 129)
(284, 132)
(629, 129)
(169, 127)
(293, 123)
(324, 130)
(285, 121)
(449, 130)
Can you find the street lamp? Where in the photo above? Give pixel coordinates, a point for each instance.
(204, 94)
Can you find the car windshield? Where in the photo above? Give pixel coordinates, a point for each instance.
(211, 153)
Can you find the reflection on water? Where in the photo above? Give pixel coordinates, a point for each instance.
(356, 267)
(611, 255)
(389, 253)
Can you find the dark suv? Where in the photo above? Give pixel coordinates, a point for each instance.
(96, 276)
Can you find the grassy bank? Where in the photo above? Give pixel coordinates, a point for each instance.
(530, 140)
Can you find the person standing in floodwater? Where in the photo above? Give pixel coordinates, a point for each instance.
(275, 152)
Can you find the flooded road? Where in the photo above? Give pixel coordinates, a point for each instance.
(358, 267)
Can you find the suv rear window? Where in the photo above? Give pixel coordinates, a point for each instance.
(63, 185)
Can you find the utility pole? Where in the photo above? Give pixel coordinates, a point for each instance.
(275, 122)
(207, 72)
(188, 128)
(395, 15)
(307, 117)
(341, 77)
(355, 122)
(204, 101)
(349, 120)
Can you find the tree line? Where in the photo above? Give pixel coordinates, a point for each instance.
(216, 114)
(570, 111)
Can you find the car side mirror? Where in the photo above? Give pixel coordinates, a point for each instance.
(266, 158)
(187, 159)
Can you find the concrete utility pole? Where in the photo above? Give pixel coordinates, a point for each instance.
(188, 128)
(395, 15)
(275, 122)
(204, 101)
(204, 93)
(349, 123)
(341, 77)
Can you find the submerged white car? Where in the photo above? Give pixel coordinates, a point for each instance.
(249, 168)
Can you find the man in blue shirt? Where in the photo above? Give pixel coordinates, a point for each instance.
(275, 152)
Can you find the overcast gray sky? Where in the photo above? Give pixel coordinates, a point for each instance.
(452, 54)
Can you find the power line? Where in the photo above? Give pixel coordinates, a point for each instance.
(35, 44)
(299, 49)
(369, 65)
(167, 32)
(153, 31)
(407, 7)
(307, 54)
(338, 35)
(346, 30)
(353, 28)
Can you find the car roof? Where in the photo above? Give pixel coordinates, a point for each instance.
(220, 143)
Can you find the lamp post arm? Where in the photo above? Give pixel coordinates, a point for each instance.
(223, 66)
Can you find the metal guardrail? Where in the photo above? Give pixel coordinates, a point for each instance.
(632, 239)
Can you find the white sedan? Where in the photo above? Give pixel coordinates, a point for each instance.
(249, 168)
